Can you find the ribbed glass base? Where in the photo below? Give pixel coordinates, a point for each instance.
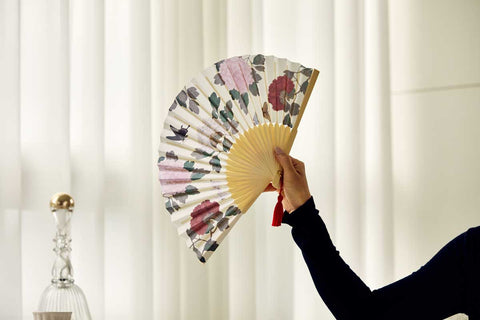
(68, 298)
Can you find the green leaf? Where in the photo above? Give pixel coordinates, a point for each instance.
(199, 153)
(232, 211)
(217, 64)
(260, 68)
(253, 89)
(229, 110)
(191, 190)
(193, 106)
(295, 109)
(234, 125)
(161, 159)
(181, 196)
(211, 245)
(217, 79)
(259, 59)
(199, 254)
(191, 234)
(169, 207)
(171, 155)
(215, 162)
(210, 228)
(304, 86)
(192, 92)
(173, 106)
(214, 100)
(188, 165)
(287, 121)
(289, 74)
(307, 72)
(223, 116)
(197, 175)
(223, 224)
(214, 114)
(245, 98)
(256, 76)
(226, 145)
(215, 138)
(182, 98)
(235, 94)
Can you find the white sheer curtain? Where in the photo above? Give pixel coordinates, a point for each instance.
(84, 89)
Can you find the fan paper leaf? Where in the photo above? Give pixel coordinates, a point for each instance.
(200, 154)
(215, 162)
(214, 100)
(259, 59)
(211, 245)
(232, 211)
(182, 98)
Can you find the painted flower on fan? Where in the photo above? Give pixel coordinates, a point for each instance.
(202, 215)
(236, 74)
(278, 90)
(173, 176)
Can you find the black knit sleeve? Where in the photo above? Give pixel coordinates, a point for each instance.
(435, 291)
(341, 289)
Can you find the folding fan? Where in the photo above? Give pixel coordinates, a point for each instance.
(217, 144)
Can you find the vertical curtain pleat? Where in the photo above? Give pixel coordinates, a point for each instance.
(45, 135)
(119, 246)
(348, 149)
(128, 161)
(87, 148)
(165, 86)
(10, 162)
(378, 157)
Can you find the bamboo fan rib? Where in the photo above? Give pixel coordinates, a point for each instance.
(217, 143)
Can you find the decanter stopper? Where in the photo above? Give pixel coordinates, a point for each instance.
(63, 294)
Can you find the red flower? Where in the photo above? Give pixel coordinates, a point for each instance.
(202, 214)
(278, 90)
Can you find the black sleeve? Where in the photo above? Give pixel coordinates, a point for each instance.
(435, 291)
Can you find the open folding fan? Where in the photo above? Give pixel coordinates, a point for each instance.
(217, 145)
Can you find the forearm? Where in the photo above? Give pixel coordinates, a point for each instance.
(345, 294)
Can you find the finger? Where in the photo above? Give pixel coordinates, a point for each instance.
(298, 165)
(284, 160)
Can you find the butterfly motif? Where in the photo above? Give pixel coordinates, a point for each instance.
(180, 134)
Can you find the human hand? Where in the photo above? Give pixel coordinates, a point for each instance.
(295, 190)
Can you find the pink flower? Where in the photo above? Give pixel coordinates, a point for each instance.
(173, 176)
(202, 214)
(236, 74)
(278, 90)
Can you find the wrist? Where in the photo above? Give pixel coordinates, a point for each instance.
(302, 214)
(302, 200)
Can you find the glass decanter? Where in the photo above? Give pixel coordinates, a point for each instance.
(63, 294)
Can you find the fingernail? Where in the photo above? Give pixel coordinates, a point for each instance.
(278, 150)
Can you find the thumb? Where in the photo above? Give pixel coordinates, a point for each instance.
(284, 160)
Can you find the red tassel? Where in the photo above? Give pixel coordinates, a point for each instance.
(278, 212)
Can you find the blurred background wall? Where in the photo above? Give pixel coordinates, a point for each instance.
(389, 139)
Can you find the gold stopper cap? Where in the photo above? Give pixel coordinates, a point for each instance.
(61, 201)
